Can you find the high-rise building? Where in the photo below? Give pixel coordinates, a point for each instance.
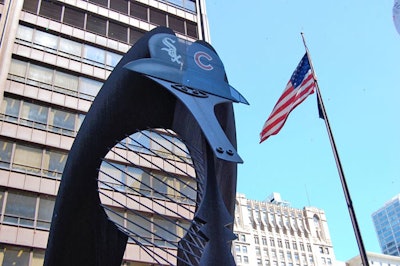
(54, 58)
(271, 232)
(387, 226)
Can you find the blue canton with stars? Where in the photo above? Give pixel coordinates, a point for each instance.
(300, 72)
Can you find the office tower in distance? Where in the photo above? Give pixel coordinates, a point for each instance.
(387, 226)
(273, 233)
(54, 57)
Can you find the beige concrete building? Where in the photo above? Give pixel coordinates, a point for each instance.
(375, 259)
(271, 232)
(54, 58)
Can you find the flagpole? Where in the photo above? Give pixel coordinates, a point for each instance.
(349, 203)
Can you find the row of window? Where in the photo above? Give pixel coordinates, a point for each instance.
(133, 180)
(124, 6)
(15, 255)
(40, 117)
(54, 80)
(67, 48)
(279, 243)
(148, 228)
(32, 159)
(273, 255)
(278, 219)
(25, 208)
(107, 27)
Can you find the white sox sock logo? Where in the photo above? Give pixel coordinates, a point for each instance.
(171, 50)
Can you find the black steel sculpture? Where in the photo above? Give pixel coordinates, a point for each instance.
(163, 82)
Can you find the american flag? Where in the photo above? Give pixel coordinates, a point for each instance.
(300, 85)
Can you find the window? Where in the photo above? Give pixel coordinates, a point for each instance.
(139, 11)
(264, 240)
(5, 154)
(34, 115)
(238, 259)
(117, 31)
(244, 249)
(289, 255)
(281, 256)
(280, 243)
(24, 33)
(27, 158)
(191, 29)
(40, 76)
(51, 10)
(74, 17)
(45, 212)
(134, 35)
(272, 242)
(9, 109)
(256, 240)
(157, 17)
(287, 245)
(237, 248)
(294, 245)
(53, 163)
(119, 5)
(176, 23)
(37, 258)
(94, 54)
(96, 24)
(30, 5)
(100, 2)
(245, 259)
(258, 251)
(20, 208)
(12, 255)
(138, 223)
(164, 231)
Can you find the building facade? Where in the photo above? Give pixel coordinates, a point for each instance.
(387, 226)
(375, 259)
(273, 233)
(54, 58)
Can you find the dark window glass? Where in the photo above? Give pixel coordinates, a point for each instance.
(96, 24)
(20, 208)
(5, 155)
(74, 17)
(134, 35)
(46, 206)
(51, 10)
(158, 17)
(14, 255)
(100, 2)
(177, 24)
(117, 31)
(139, 11)
(119, 5)
(191, 29)
(30, 5)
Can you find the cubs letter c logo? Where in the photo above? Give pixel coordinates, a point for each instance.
(197, 59)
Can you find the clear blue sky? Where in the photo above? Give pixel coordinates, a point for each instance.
(355, 50)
